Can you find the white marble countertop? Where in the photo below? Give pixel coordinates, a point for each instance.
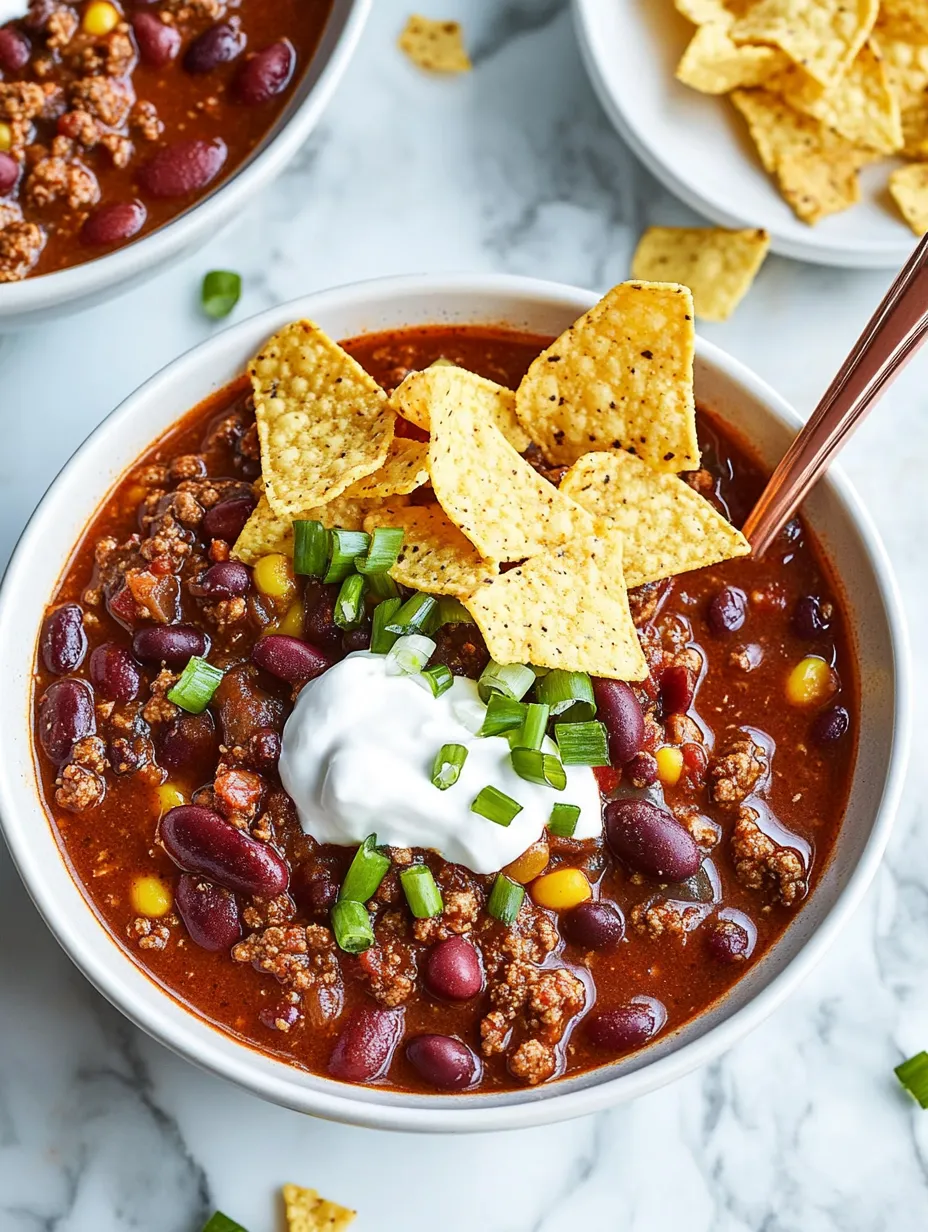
(801, 1128)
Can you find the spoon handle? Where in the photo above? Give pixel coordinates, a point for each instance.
(892, 336)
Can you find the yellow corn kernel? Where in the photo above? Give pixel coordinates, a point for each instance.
(6, 137)
(151, 896)
(170, 797)
(561, 890)
(532, 862)
(810, 683)
(669, 764)
(273, 576)
(292, 620)
(100, 17)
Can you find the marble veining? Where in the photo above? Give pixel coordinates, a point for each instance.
(801, 1128)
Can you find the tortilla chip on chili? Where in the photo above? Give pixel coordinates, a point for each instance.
(908, 187)
(437, 46)
(411, 400)
(307, 1212)
(905, 20)
(717, 265)
(405, 469)
(822, 36)
(435, 558)
(266, 532)
(713, 64)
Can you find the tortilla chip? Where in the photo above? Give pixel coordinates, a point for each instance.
(620, 377)
(411, 400)
(906, 68)
(713, 64)
(265, 532)
(717, 265)
(567, 607)
(307, 1212)
(404, 470)
(436, 558)
(437, 46)
(823, 36)
(323, 423)
(699, 12)
(667, 527)
(908, 187)
(915, 129)
(906, 20)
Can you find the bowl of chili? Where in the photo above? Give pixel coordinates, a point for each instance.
(787, 875)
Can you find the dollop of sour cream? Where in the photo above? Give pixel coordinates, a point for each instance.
(10, 10)
(357, 758)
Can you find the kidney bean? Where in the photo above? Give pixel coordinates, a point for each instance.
(319, 625)
(15, 50)
(189, 743)
(200, 841)
(314, 890)
(627, 1027)
(642, 770)
(114, 673)
(113, 223)
(170, 644)
(650, 840)
(158, 43)
(244, 706)
(9, 174)
(594, 926)
(619, 708)
(809, 621)
(209, 912)
(728, 942)
(356, 639)
(66, 714)
(678, 684)
(225, 580)
(183, 168)
(266, 74)
(281, 1016)
(63, 641)
(829, 725)
(226, 520)
(727, 611)
(264, 749)
(443, 1061)
(453, 970)
(289, 658)
(365, 1047)
(220, 44)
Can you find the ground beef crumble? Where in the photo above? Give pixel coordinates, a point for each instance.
(736, 769)
(761, 863)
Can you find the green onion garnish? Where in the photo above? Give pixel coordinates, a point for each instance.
(408, 655)
(582, 744)
(218, 1222)
(344, 548)
(386, 545)
(413, 616)
(446, 769)
(913, 1074)
(496, 806)
(505, 900)
(503, 715)
(532, 732)
(381, 638)
(422, 894)
(351, 925)
(194, 690)
(564, 818)
(451, 611)
(510, 679)
(349, 606)
(220, 292)
(438, 678)
(365, 872)
(567, 691)
(310, 549)
(537, 767)
(382, 586)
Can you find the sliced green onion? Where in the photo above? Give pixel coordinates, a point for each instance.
(582, 744)
(220, 293)
(422, 894)
(365, 872)
(452, 611)
(218, 1222)
(194, 690)
(351, 925)
(913, 1074)
(563, 821)
(382, 586)
(446, 769)
(408, 655)
(438, 678)
(386, 545)
(382, 639)
(537, 767)
(345, 546)
(505, 900)
(532, 733)
(413, 616)
(510, 679)
(503, 715)
(310, 549)
(564, 691)
(349, 606)
(496, 806)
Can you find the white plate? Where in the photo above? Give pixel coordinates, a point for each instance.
(698, 147)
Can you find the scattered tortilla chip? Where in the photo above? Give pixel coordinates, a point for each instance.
(906, 20)
(411, 400)
(404, 470)
(823, 36)
(567, 607)
(436, 558)
(323, 422)
(437, 46)
(915, 129)
(307, 1212)
(906, 68)
(717, 265)
(668, 528)
(266, 532)
(908, 187)
(713, 64)
(700, 12)
(620, 377)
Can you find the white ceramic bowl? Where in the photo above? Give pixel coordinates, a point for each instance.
(545, 308)
(58, 294)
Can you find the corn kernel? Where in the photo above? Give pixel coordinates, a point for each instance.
(291, 622)
(6, 137)
(100, 17)
(669, 764)
(532, 862)
(151, 896)
(810, 683)
(170, 797)
(273, 576)
(561, 890)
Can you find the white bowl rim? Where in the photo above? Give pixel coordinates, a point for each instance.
(169, 1021)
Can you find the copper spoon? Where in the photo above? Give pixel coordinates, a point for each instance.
(892, 336)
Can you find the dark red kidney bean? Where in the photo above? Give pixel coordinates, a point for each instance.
(289, 658)
(170, 644)
(365, 1047)
(183, 168)
(201, 842)
(619, 708)
(727, 611)
(264, 749)
(114, 673)
(650, 840)
(9, 174)
(356, 639)
(809, 621)
(678, 684)
(226, 520)
(209, 912)
(66, 714)
(158, 43)
(728, 942)
(319, 625)
(443, 1061)
(113, 223)
(226, 580)
(189, 743)
(281, 1016)
(63, 641)
(829, 725)
(15, 50)
(220, 44)
(314, 890)
(453, 970)
(622, 1029)
(266, 74)
(642, 770)
(594, 926)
